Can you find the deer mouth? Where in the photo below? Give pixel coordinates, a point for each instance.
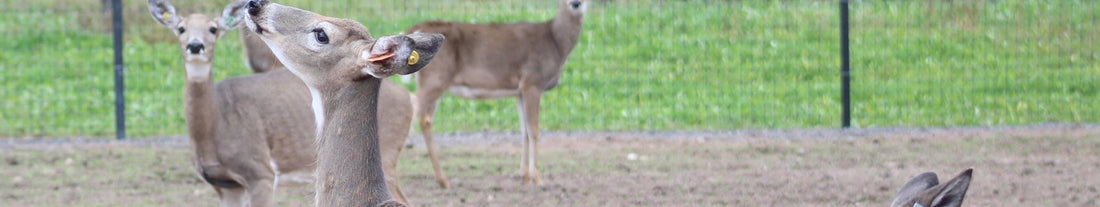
(259, 30)
(196, 58)
(254, 23)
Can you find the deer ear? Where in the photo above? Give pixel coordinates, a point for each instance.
(915, 187)
(953, 191)
(164, 13)
(232, 14)
(400, 54)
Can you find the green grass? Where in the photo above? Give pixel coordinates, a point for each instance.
(640, 65)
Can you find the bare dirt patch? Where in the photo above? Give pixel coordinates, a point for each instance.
(1042, 165)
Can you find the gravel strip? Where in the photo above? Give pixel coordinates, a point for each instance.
(500, 138)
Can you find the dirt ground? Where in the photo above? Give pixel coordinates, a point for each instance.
(1038, 165)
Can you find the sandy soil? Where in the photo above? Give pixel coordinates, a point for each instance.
(1038, 165)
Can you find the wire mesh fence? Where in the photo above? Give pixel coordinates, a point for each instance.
(640, 65)
(977, 62)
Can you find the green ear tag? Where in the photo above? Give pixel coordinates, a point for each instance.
(165, 16)
(229, 20)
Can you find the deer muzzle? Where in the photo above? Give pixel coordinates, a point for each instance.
(195, 48)
(255, 9)
(256, 6)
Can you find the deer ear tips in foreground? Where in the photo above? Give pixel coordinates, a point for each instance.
(924, 190)
(401, 54)
(955, 190)
(391, 203)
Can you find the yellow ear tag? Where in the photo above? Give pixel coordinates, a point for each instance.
(414, 58)
(165, 16)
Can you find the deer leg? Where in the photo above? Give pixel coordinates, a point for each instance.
(531, 97)
(262, 192)
(392, 180)
(427, 100)
(395, 190)
(523, 166)
(232, 197)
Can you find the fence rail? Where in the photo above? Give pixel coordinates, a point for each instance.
(640, 65)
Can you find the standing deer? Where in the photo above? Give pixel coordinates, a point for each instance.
(925, 190)
(258, 56)
(487, 61)
(247, 133)
(343, 67)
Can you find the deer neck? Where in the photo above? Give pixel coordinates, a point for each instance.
(348, 142)
(566, 29)
(200, 111)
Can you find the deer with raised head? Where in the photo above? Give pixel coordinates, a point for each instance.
(925, 190)
(343, 66)
(488, 61)
(250, 133)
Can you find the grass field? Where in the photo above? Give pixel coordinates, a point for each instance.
(640, 65)
(1015, 166)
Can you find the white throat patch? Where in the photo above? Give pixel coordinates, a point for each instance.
(316, 104)
(318, 109)
(196, 72)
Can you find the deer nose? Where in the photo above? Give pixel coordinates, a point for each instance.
(254, 6)
(575, 3)
(195, 47)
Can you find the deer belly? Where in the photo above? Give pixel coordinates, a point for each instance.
(479, 93)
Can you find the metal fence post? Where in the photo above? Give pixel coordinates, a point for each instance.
(120, 96)
(845, 76)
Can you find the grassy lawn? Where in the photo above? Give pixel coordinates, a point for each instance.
(640, 65)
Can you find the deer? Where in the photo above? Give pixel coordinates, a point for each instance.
(925, 190)
(343, 66)
(498, 60)
(258, 57)
(247, 133)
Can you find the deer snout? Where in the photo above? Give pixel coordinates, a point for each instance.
(575, 3)
(254, 6)
(195, 48)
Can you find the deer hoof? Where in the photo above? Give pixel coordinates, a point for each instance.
(535, 180)
(443, 184)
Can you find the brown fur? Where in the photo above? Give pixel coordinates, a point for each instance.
(242, 124)
(483, 61)
(258, 56)
(345, 89)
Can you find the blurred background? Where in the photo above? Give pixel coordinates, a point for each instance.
(653, 65)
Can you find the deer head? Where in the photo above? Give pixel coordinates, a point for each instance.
(926, 191)
(574, 7)
(322, 49)
(197, 32)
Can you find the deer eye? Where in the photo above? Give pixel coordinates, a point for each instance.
(320, 35)
(180, 29)
(213, 30)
